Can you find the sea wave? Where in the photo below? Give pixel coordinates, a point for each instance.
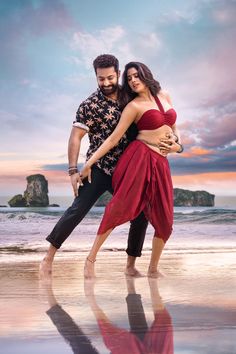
(207, 216)
(181, 215)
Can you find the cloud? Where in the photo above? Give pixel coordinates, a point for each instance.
(116, 40)
(22, 21)
(58, 182)
(199, 55)
(195, 162)
(90, 45)
(197, 151)
(45, 117)
(202, 76)
(215, 130)
(225, 13)
(58, 167)
(222, 183)
(190, 46)
(24, 18)
(220, 132)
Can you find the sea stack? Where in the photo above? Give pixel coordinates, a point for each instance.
(186, 198)
(18, 201)
(182, 197)
(36, 193)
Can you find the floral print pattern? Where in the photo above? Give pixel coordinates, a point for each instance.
(99, 116)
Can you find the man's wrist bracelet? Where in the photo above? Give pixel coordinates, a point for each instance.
(72, 171)
(181, 148)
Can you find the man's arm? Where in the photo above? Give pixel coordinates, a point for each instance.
(171, 144)
(76, 136)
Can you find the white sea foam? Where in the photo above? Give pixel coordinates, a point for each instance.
(24, 231)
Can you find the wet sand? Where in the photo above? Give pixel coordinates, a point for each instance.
(190, 310)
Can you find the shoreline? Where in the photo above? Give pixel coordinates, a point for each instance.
(22, 255)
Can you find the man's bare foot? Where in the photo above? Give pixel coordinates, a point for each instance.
(133, 272)
(45, 269)
(154, 273)
(89, 272)
(130, 269)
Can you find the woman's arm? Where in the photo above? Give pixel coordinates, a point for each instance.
(127, 118)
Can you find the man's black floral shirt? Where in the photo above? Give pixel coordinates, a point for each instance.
(99, 116)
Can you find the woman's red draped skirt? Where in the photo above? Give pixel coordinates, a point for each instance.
(141, 182)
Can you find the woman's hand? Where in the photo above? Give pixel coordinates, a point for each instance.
(75, 180)
(86, 172)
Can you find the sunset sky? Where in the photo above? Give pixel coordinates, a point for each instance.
(47, 49)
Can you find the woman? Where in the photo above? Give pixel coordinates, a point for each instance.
(142, 180)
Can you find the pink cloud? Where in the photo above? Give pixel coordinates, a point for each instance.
(211, 131)
(220, 183)
(222, 131)
(208, 77)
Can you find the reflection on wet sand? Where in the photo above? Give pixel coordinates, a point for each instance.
(69, 330)
(198, 292)
(140, 339)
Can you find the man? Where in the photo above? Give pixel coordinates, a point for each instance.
(98, 116)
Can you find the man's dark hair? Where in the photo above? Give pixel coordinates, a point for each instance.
(106, 61)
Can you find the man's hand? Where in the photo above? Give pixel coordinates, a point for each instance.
(169, 145)
(86, 172)
(75, 179)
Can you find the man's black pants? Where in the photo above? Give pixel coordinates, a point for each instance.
(88, 195)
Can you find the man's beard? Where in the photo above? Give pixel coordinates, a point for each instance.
(109, 90)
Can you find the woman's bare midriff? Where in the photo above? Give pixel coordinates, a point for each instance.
(150, 137)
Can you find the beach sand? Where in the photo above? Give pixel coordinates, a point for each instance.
(192, 309)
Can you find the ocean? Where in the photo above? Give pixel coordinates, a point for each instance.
(196, 229)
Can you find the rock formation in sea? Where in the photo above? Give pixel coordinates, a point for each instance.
(104, 199)
(17, 201)
(35, 195)
(182, 197)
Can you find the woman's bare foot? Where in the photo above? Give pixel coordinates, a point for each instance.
(45, 269)
(89, 272)
(154, 273)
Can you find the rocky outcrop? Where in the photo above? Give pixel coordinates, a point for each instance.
(103, 200)
(186, 198)
(17, 201)
(36, 194)
(182, 197)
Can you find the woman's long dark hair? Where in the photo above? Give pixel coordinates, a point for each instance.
(145, 75)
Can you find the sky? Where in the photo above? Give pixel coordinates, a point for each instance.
(47, 49)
